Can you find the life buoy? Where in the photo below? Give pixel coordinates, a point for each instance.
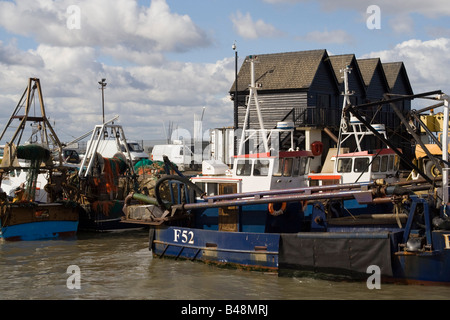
(274, 212)
(316, 148)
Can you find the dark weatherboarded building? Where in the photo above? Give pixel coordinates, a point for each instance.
(306, 87)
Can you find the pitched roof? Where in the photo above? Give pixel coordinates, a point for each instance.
(368, 68)
(289, 70)
(339, 62)
(393, 70)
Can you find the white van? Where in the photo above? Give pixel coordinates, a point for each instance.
(108, 148)
(178, 154)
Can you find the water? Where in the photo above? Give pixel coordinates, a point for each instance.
(119, 266)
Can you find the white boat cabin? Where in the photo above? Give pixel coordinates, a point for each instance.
(360, 166)
(256, 172)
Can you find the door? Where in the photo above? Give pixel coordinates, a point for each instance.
(228, 216)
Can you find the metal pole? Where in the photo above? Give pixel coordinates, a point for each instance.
(235, 86)
(445, 153)
(103, 85)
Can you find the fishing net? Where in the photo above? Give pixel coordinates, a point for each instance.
(36, 154)
(147, 166)
(112, 170)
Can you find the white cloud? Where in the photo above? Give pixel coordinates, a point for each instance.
(11, 55)
(124, 43)
(334, 36)
(249, 29)
(143, 96)
(425, 62)
(110, 24)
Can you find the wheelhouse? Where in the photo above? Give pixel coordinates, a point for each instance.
(262, 171)
(360, 167)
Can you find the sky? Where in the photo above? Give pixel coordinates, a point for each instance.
(167, 62)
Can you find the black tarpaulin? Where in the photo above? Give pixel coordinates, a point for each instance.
(336, 252)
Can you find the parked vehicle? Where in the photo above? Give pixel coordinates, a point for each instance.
(109, 147)
(178, 153)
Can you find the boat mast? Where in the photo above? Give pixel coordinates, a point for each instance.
(343, 125)
(254, 96)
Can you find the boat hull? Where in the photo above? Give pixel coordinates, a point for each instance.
(43, 221)
(349, 255)
(254, 251)
(104, 216)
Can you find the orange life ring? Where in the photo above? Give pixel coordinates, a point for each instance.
(316, 148)
(277, 212)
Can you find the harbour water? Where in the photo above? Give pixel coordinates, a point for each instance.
(119, 266)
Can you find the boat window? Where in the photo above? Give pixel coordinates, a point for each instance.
(277, 168)
(384, 163)
(133, 146)
(391, 163)
(244, 168)
(376, 164)
(201, 185)
(261, 168)
(296, 168)
(287, 169)
(304, 164)
(212, 189)
(344, 165)
(396, 163)
(361, 164)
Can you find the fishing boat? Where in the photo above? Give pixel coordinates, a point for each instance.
(362, 164)
(26, 215)
(104, 182)
(400, 229)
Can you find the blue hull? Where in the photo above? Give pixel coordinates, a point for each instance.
(237, 249)
(261, 241)
(337, 253)
(40, 230)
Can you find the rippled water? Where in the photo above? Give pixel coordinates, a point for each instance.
(120, 266)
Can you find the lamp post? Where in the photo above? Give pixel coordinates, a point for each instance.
(103, 85)
(235, 86)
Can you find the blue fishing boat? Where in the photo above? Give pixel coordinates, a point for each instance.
(400, 230)
(23, 215)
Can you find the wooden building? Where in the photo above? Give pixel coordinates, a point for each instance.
(295, 86)
(355, 80)
(306, 87)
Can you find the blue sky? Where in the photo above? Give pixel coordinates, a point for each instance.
(165, 60)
